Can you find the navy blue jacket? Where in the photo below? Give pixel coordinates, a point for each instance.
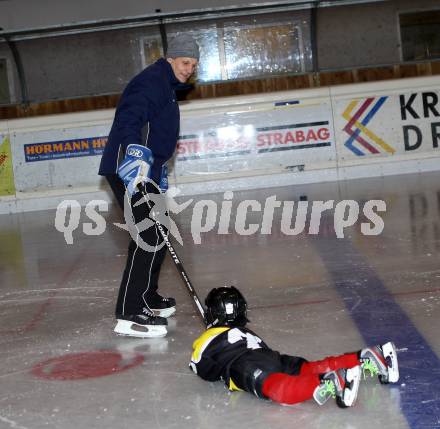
(147, 113)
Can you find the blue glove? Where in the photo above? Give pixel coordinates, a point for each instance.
(135, 168)
(163, 182)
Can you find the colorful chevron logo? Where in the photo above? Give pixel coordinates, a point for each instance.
(362, 140)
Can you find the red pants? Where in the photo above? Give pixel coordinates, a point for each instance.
(291, 389)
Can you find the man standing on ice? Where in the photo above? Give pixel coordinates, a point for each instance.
(144, 136)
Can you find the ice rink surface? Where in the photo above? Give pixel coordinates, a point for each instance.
(312, 295)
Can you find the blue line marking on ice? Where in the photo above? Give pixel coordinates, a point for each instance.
(379, 319)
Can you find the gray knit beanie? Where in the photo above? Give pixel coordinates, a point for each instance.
(183, 45)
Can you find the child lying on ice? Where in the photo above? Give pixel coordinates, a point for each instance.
(229, 351)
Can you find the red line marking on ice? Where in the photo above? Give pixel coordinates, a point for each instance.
(40, 313)
(324, 301)
(416, 292)
(295, 304)
(35, 319)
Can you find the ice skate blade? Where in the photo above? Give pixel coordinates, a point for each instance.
(164, 312)
(353, 377)
(131, 329)
(390, 353)
(320, 399)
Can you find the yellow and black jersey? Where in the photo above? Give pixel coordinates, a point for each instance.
(238, 357)
(217, 348)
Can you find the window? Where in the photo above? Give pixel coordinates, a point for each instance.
(5, 96)
(420, 34)
(262, 50)
(244, 48)
(151, 50)
(207, 39)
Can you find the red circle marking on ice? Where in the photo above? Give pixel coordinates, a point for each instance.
(85, 365)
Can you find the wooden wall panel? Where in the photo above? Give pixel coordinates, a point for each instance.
(408, 70)
(238, 87)
(435, 67)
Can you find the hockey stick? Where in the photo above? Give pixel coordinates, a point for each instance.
(174, 255)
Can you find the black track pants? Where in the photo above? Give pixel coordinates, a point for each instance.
(144, 261)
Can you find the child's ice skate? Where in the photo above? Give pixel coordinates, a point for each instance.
(381, 361)
(343, 385)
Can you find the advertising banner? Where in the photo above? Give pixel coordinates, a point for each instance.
(7, 186)
(281, 137)
(51, 156)
(405, 124)
(332, 133)
(64, 149)
(278, 137)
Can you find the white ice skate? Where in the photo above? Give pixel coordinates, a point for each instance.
(381, 361)
(141, 326)
(343, 385)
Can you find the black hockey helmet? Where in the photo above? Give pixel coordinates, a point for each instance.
(225, 306)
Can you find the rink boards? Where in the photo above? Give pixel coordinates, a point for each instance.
(243, 142)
